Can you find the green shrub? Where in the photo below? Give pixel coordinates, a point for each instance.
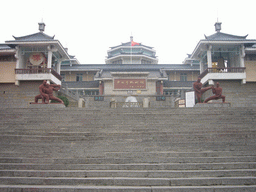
(63, 98)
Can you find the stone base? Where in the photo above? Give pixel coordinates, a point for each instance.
(45, 106)
(211, 105)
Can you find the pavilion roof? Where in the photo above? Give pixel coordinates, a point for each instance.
(129, 44)
(219, 36)
(34, 37)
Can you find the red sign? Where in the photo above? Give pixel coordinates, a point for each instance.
(129, 83)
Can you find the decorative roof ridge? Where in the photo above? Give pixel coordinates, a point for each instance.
(129, 44)
(34, 34)
(219, 34)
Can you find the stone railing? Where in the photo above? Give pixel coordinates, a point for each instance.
(114, 104)
(222, 70)
(38, 71)
(73, 94)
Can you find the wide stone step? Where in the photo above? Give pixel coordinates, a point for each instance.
(129, 173)
(129, 181)
(79, 150)
(79, 188)
(140, 154)
(141, 166)
(139, 159)
(139, 136)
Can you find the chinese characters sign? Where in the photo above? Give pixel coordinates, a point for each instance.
(130, 84)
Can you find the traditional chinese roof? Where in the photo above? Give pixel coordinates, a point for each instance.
(4, 47)
(220, 39)
(34, 37)
(129, 67)
(129, 44)
(219, 36)
(39, 38)
(81, 84)
(128, 48)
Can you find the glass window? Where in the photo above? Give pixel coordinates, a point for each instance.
(79, 77)
(183, 77)
(63, 77)
(145, 61)
(117, 62)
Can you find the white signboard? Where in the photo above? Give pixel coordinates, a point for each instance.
(190, 99)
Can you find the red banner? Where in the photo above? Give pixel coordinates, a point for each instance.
(130, 84)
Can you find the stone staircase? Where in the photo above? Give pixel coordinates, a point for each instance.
(71, 149)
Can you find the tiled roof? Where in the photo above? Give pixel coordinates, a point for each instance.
(81, 84)
(173, 84)
(34, 37)
(152, 74)
(4, 47)
(134, 54)
(130, 67)
(129, 44)
(224, 37)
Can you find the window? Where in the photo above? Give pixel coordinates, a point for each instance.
(173, 93)
(183, 77)
(145, 61)
(63, 77)
(117, 62)
(79, 77)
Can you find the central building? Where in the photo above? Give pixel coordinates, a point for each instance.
(131, 53)
(131, 69)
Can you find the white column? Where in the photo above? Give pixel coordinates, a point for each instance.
(201, 66)
(242, 55)
(59, 66)
(17, 56)
(49, 63)
(209, 56)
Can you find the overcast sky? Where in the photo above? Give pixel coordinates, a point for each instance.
(89, 27)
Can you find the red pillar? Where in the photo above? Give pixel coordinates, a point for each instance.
(101, 88)
(161, 88)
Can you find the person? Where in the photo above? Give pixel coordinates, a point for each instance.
(46, 93)
(218, 94)
(199, 90)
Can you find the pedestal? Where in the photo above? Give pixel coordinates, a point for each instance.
(212, 105)
(46, 106)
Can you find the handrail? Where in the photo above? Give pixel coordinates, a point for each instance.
(37, 71)
(64, 89)
(222, 70)
(126, 104)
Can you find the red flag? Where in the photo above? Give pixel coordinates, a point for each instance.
(134, 43)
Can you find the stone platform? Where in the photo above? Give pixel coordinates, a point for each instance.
(46, 106)
(211, 105)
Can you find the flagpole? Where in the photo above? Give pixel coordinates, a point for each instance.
(131, 48)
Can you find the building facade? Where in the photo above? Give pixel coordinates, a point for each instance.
(229, 60)
(25, 62)
(130, 69)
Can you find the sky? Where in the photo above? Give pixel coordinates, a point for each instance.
(88, 28)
